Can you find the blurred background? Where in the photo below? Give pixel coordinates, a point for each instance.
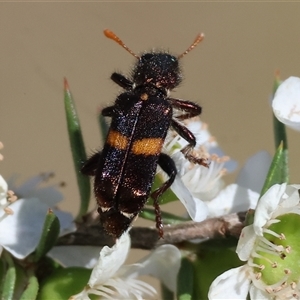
(230, 74)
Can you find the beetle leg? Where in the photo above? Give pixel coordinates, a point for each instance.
(191, 109)
(122, 81)
(108, 111)
(186, 151)
(167, 164)
(90, 166)
(190, 138)
(184, 133)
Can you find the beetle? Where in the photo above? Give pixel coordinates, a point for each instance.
(140, 119)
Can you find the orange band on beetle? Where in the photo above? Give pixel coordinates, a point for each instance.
(117, 140)
(147, 146)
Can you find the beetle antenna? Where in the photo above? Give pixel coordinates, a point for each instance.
(197, 40)
(109, 34)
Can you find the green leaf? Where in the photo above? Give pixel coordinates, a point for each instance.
(277, 174)
(185, 280)
(279, 133)
(2, 273)
(78, 150)
(31, 289)
(278, 170)
(166, 294)
(9, 279)
(49, 235)
(46, 266)
(168, 218)
(280, 137)
(210, 263)
(64, 283)
(21, 279)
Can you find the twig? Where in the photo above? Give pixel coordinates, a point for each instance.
(147, 238)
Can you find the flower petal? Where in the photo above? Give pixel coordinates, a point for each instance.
(292, 196)
(286, 103)
(233, 284)
(202, 211)
(246, 243)
(21, 232)
(254, 172)
(110, 260)
(231, 199)
(256, 293)
(195, 207)
(3, 191)
(49, 195)
(31, 189)
(267, 205)
(66, 222)
(163, 263)
(75, 256)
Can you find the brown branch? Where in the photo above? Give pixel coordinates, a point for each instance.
(89, 233)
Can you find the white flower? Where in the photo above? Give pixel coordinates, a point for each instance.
(232, 199)
(110, 279)
(6, 198)
(48, 195)
(32, 188)
(286, 102)
(196, 184)
(254, 172)
(21, 221)
(243, 194)
(204, 183)
(271, 248)
(201, 190)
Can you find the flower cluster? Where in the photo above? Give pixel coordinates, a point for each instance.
(110, 279)
(271, 250)
(20, 232)
(201, 189)
(270, 245)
